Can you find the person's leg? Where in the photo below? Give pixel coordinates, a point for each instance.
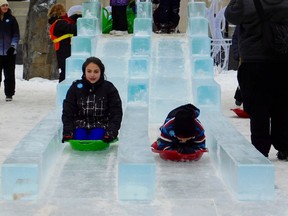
(123, 25)
(119, 18)
(164, 145)
(238, 96)
(96, 134)
(279, 114)
(114, 17)
(260, 129)
(62, 55)
(186, 149)
(254, 80)
(163, 12)
(81, 134)
(1, 67)
(9, 75)
(174, 14)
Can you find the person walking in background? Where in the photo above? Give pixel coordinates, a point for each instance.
(166, 16)
(62, 29)
(92, 109)
(9, 39)
(119, 17)
(262, 75)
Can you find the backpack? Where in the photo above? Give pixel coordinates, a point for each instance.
(274, 34)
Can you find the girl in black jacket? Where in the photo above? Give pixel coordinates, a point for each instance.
(92, 109)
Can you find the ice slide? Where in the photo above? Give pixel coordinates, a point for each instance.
(154, 73)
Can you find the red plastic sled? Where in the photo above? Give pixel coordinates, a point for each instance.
(240, 113)
(173, 155)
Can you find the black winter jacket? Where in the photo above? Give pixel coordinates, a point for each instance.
(92, 105)
(64, 26)
(9, 33)
(244, 14)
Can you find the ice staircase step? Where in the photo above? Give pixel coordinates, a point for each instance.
(26, 169)
(247, 173)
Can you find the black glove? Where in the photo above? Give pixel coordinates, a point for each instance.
(10, 51)
(108, 139)
(67, 137)
(109, 136)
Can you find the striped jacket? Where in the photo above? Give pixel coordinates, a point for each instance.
(168, 137)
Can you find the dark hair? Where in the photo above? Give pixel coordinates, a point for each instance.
(96, 61)
(184, 124)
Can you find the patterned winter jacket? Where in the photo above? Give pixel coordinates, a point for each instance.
(119, 2)
(9, 33)
(168, 137)
(92, 105)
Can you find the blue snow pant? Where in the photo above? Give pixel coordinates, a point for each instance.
(86, 134)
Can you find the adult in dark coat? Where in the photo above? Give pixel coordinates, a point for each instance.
(62, 29)
(262, 75)
(166, 16)
(92, 108)
(9, 39)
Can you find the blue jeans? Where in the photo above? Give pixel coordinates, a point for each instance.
(86, 134)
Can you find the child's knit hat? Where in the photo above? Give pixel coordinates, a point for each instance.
(184, 124)
(2, 2)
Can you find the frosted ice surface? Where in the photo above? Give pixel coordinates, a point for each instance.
(62, 89)
(142, 27)
(141, 46)
(83, 46)
(200, 46)
(91, 9)
(74, 67)
(144, 9)
(116, 48)
(198, 26)
(138, 90)
(206, 93)
(115, 66)
(196, 9)
(87, 26)
(170, 88)
(202, 67)
(170, 47)
(139, 67)
(136, 167)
